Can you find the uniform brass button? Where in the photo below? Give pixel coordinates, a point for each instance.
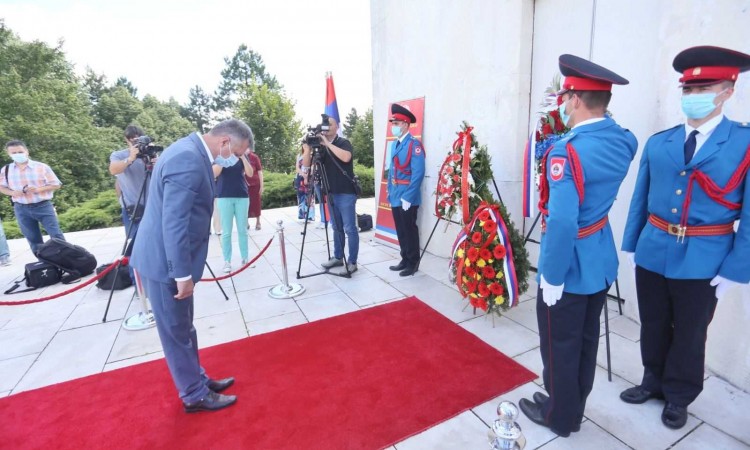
(682, 174)
(678, 192)
(674, 210)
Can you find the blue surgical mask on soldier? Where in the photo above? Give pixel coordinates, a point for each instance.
(564, 117)
(698, 106)
(396, 131)
(19, 158)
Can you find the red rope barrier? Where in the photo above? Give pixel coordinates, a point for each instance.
(229, 275)
(60, 294)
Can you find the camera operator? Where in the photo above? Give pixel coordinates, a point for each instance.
(130, 171)
(337, 159)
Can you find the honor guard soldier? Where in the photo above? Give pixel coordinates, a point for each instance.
(680, 230)
(578, 258)
(406, 162)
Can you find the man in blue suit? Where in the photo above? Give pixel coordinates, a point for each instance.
(170, 252)
(680, 235)
(578, 257)
(407, 158)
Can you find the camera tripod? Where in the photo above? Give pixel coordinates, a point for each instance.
(320, 179)
(145, 318)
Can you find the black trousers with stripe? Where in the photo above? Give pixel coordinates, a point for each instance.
(408, 233)
(675, 315)
(569, 340)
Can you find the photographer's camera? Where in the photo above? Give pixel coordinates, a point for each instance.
(146, 149)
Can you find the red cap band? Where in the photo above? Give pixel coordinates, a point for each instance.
(401, 117)
(710, 73)
(586, 84)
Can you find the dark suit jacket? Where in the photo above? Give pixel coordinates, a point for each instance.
(173, 235)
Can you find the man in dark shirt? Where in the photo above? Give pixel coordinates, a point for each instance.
(338, 163)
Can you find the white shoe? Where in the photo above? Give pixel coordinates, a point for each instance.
(320, 225)
(227, 267)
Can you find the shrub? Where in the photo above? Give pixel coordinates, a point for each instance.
(84, 218)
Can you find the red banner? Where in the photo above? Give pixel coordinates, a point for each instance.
(385, 228)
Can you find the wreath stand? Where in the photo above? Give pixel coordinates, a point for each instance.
(616, 297)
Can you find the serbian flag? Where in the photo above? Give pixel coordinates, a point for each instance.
(332, 108)
(529, 177)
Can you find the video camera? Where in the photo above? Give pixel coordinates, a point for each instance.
(312, 137)
(146, 149)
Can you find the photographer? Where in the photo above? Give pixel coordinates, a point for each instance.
(337, 159)
(130, 171)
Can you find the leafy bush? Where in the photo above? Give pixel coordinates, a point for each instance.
(84, 218)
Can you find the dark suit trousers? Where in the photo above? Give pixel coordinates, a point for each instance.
(569, 340)
(674, 325)
(174, 321)
(407, 233)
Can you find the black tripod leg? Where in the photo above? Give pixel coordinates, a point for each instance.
(499, 197)
(533, 225)
(424, 250)
(606, 337)
(111, 292)
(226, 297)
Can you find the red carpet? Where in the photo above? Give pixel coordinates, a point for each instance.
(364, 380)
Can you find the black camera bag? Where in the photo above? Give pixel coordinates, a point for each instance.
(36, 275)
(110, 281)
(74, 260)
(364, 222)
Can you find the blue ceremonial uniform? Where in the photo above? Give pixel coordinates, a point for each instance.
(406, 171)
(660, 190)
(589, 264)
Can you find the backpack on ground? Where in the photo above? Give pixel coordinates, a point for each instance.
(36, 275)
(111, 281)
(364, 222)
(74, 260)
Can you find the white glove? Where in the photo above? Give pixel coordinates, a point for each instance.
(404, 204)
(631, 258)
(551, 294)
(722, 286)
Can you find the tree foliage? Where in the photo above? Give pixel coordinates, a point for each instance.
(350, 122)
(362, 140)
(198, 109)
(245, 68)
(271, 116)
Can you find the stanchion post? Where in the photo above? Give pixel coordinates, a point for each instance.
(285, 289)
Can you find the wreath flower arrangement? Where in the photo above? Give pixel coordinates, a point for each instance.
(549, 128)
(489, 263)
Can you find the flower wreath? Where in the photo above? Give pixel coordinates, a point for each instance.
(549, 128)
(482, 262)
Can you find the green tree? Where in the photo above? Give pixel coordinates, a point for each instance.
(245, 68)
(124, 82)
(162, 121)
(271, 116)
(198, 108)
(94, 85)
(116, 108)
(350, 122)
(362, 140)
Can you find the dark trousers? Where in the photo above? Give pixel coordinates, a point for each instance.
(674, 325)
(407, 233)
(569, 340)
(174, 322)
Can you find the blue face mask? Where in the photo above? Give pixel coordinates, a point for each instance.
(396, 131)
(698, 106)
(228, 161)
(564, 117)
(19, 158)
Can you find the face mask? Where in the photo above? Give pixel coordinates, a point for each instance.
(564, 117)
(698, 106)
(228, 161)
(396, 131)
(19, 158)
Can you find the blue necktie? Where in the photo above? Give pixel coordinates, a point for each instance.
(690, 146)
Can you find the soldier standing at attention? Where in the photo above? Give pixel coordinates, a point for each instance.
(680, 231)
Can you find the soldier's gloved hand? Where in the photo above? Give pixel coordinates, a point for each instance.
(404, 204)
(550, 293)
(722, 286)
(631, 259)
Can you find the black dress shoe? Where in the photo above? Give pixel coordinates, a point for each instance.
(399, 266)
(638, 395)
(534, 412)
(674, 416)
(540, 399)
(219, 385)
(408, 271)
(211, 402)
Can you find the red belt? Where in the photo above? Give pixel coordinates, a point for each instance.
(395, 181)
(585, 231)
(693, 230)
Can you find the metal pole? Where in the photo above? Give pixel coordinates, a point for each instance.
(285, 289)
